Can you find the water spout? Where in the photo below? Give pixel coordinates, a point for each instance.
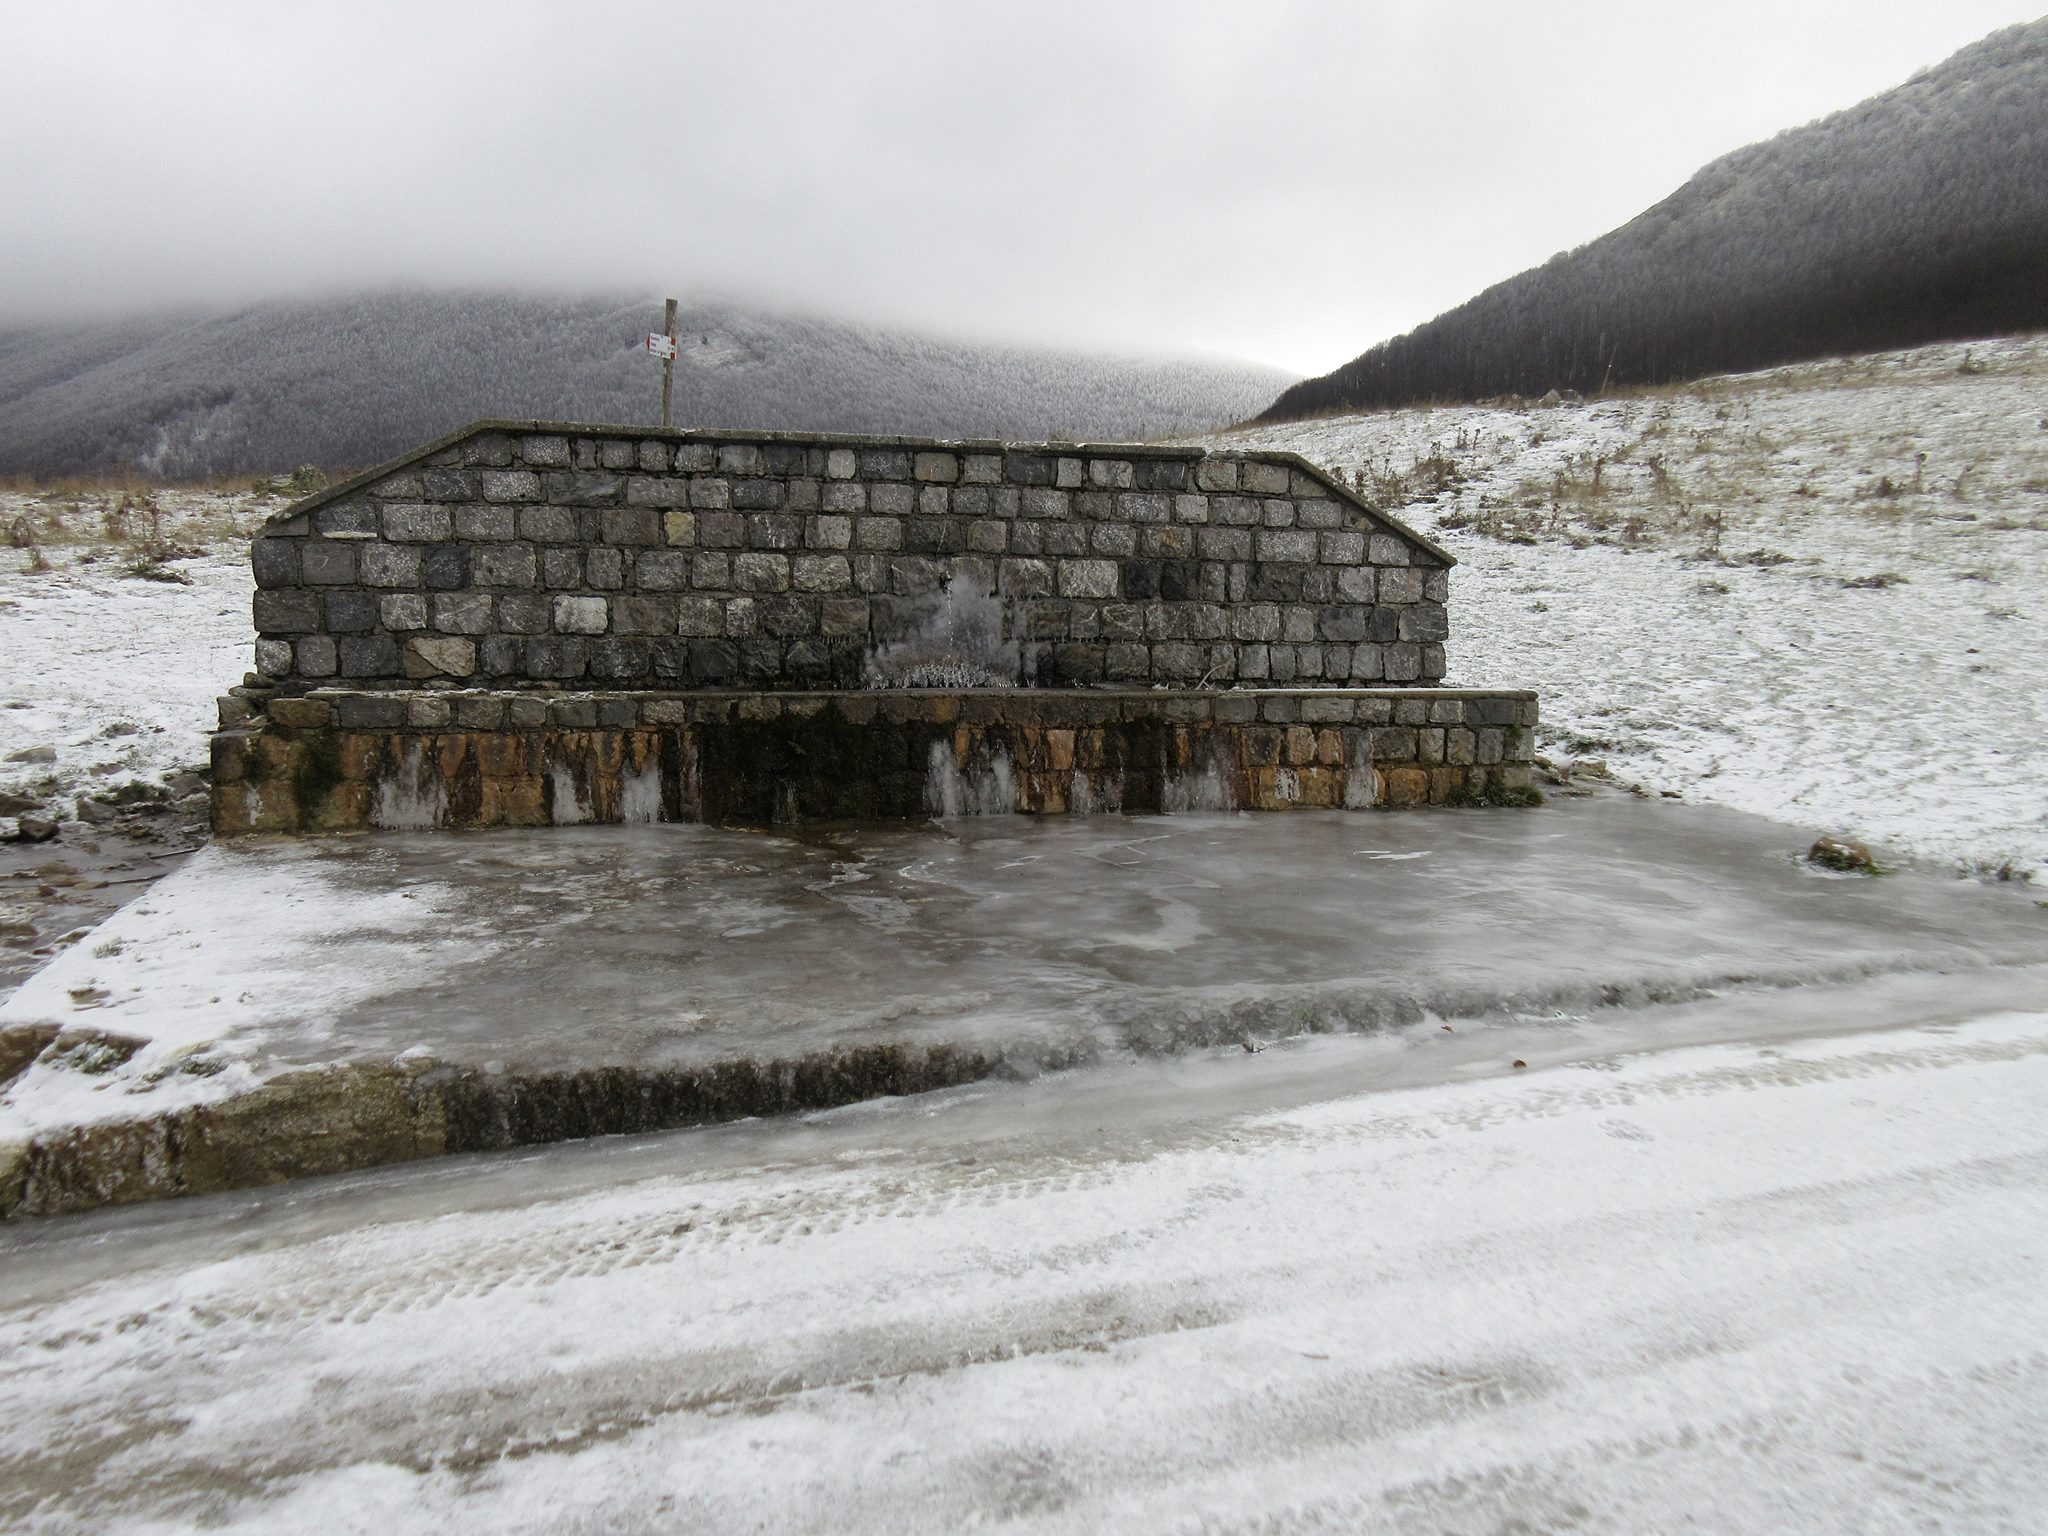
(959, 644)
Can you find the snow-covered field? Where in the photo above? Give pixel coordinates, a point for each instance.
(1727, 1289)
(1819, 593)
(116, 673)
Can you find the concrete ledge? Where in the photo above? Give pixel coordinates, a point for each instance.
(339, 760)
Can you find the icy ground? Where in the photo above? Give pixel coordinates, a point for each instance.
(1730, 1288)
(1032, 941)
(1819, 593)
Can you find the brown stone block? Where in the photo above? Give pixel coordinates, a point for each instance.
(516, 801)
(1320, 788)
(1059, 747)
(510, 755)
(231, 753)
(1406, 788)
(344, 808)
(361, 755)
(1301, 745)
(1443, 784)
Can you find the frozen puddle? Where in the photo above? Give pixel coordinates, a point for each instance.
(505, 988)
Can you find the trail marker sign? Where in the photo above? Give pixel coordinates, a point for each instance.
(662, 344)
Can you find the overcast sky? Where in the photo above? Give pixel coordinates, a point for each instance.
(1282, 181)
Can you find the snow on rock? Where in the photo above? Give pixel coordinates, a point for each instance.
(1819, 593)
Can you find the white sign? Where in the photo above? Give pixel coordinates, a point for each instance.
(661, 346)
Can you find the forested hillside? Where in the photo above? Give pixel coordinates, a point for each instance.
(355, 381)
(1920, 215)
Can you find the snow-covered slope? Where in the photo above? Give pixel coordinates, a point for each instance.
(1819, 593)
(357, 381)
(1919, 215)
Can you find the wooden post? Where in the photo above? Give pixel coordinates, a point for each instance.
(668, 364)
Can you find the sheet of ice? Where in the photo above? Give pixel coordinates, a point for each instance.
(1725, 1289)
(1913, 714)
(1033, 941)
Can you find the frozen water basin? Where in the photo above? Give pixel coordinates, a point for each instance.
(1007, 944)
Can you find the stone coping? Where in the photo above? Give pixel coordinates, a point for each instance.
(508, 709)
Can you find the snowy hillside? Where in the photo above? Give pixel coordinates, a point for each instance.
(354, 382)
(1819, 593)
(1919, 215)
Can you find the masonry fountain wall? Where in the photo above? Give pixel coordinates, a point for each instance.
(532, 623)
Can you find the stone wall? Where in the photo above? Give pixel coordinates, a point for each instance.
(516, 555)
(345, 760)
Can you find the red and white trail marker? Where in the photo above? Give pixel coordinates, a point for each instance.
(663, 347)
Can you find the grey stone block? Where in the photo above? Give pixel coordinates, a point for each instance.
(584, 488)
(700, 616)
(1215, 474)
(1345, 624)
(1088, 578)
(418, 522)
(662, 570)
(548, 525)
(710, 494)
(821, 573)
(1030, 468)
(1424, 621)
(439, 656)
(1044, 501)
(463, 613)
(758, 571)
(510, 486)
(774, 530)
(941, 468)
(402, 610)
(275, 562)
(1224, 543)
(756, 495)
(892, 500)
(644, 615)
(631, 525)
(525, 613)
(504, 565)
(616, 660)
(1262, 479)
(1404, 663)
(315, 656)
(695, 458)
(1027, 578)
(605, 568)
(371, 711)
(287, 613)
(722, 530)
(558, 657)
(484, 523)
(1112, 474)
(350, 612)
(884, 464)
(1402, 584)
(326, 563)
(491, 448)
(1342, 546)
(878, 533)
(346, 517)
(366, 656)
(561, 567)
(1288, 544)
(273, 658)
(1162, 475)
(389, 565)
(444, 567)
(844, 496)
(448, 485)
(841, 618)
(656, 491)
(582, 615)
(1387, 549)
(740, 459)
(712, 571)
(1144, 507)
(981, 469)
